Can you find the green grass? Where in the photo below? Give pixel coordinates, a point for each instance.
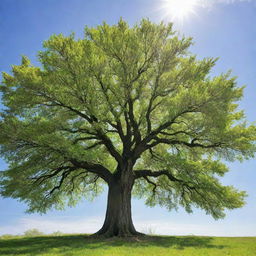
(82, 245)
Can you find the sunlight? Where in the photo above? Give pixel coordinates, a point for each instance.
(179, 9)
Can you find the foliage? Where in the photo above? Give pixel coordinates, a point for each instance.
(7, 236)
(122, 97)
(33, 232)
(57, 233)
(155, 245)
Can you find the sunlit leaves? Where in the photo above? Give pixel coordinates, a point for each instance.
(122, 94)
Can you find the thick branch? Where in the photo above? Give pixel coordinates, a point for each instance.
(110, 147)
(98, 169)
(150, 173)
(135, 127)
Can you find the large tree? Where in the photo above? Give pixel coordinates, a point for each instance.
(129, 107)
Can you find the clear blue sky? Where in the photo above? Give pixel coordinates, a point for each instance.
(224, 29)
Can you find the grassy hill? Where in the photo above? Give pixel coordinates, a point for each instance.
(80, 245)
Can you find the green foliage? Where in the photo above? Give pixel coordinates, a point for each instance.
(57, 233)
(122, 95)
(7, 236)
(33, 232)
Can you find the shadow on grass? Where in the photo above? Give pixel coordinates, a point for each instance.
(44, 244)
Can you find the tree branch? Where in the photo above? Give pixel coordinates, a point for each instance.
(45, 177)
(151, 182)
(98, 169)
(191, 144)
(63, 177)
(143, 145)
(110, 147)
(150, 173)
(55, 102)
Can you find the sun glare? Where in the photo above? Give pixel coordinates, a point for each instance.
(179, 9)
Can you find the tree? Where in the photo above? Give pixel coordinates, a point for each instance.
(129, 107)
(33, 232)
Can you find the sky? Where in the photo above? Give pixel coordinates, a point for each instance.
(220, 28)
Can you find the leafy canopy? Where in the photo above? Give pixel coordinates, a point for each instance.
(122, 96)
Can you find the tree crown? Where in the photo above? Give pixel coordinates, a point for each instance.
(122, 99)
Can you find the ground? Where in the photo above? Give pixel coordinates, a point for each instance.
(80, 245)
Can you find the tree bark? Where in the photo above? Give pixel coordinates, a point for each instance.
(118, 218)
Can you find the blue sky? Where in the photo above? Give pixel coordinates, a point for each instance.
(221, 28)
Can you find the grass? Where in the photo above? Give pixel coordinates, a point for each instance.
(80, 245)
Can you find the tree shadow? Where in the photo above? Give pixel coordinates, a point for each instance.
(69, 243)
(181, 242)
(177, 242)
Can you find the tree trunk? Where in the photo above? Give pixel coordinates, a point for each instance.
(118, 219)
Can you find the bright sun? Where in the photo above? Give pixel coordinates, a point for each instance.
(179, 9)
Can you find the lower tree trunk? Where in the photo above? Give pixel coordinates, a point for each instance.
(118, 219)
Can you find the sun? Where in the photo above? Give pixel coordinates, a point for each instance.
(179, 9)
